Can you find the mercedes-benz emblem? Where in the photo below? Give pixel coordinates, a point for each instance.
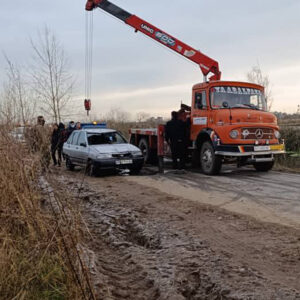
(259, 133)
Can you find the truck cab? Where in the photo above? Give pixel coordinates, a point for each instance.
(230, 122)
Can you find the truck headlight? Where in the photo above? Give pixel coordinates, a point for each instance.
(277, 134)
(245, 133)
(136, 153)
(103, 155)
(234, 134)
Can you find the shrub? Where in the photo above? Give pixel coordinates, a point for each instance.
(291, 136)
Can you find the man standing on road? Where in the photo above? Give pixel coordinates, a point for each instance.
(175, 135)
(62, 135)
(54, 142)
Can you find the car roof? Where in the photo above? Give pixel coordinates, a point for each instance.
(98, 130)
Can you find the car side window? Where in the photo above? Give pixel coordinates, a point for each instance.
(200, 100)
(81, 139)
(69, 141)
(74, 139)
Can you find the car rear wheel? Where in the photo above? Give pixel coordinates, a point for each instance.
(263, 166)
(210, 163)
(69, 164)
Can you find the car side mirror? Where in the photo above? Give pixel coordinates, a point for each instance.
(83, 144)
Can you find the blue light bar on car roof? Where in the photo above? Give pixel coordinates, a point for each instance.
(93, 125)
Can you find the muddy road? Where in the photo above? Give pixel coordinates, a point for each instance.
(147, 240)
(272, 197)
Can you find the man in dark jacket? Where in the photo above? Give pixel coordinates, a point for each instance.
(175, 135)
(54, 142)
(62, 137)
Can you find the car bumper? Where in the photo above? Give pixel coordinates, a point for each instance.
(119, 163)
(255, 152)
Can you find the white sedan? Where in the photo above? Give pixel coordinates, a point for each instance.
(101, 149)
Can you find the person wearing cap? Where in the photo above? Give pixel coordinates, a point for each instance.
(70, 129)
(78, 126)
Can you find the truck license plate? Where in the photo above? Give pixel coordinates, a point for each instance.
(124, 162)
(262, 148)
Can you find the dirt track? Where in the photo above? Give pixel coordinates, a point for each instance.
(148, 244)
(272, 197)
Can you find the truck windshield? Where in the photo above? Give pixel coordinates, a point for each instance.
(237, 97)
(105, 138)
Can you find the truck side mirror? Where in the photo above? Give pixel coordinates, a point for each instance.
(83, 144)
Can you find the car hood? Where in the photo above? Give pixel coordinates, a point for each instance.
(114, 148)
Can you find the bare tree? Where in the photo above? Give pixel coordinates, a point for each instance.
(117, 115)
(52, 80)
(142, 116)
(256, 76)
(18, 103)
(7, 108)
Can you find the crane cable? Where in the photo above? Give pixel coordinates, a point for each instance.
(89, 28)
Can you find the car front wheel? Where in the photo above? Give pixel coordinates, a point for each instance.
(135, 171)
(91, 169)
(69, 164)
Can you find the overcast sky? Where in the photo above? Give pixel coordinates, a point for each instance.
(136, 74)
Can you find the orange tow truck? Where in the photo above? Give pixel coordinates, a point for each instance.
(229, 121)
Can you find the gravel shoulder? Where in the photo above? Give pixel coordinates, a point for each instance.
(146, 243)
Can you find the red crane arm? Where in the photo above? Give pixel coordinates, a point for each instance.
(206, 64)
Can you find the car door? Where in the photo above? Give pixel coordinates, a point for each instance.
(68, 146)
(82, 148)
(74, 147)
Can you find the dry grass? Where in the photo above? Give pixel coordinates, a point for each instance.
(38, 256)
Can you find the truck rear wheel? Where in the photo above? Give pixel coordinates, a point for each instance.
(210, 163)
(263, 166)
(150, 155)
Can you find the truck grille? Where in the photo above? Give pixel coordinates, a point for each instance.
(257, 133)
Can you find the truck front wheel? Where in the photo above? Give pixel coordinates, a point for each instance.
(263, 166)
(210, 163)
(150, 155)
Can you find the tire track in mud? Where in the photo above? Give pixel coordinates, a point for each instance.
(149, 245)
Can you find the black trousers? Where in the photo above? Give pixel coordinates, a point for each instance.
(178, 153)
(53, 154)
(59, 151)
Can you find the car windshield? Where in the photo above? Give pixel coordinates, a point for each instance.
(237, 97)
(105, 138)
